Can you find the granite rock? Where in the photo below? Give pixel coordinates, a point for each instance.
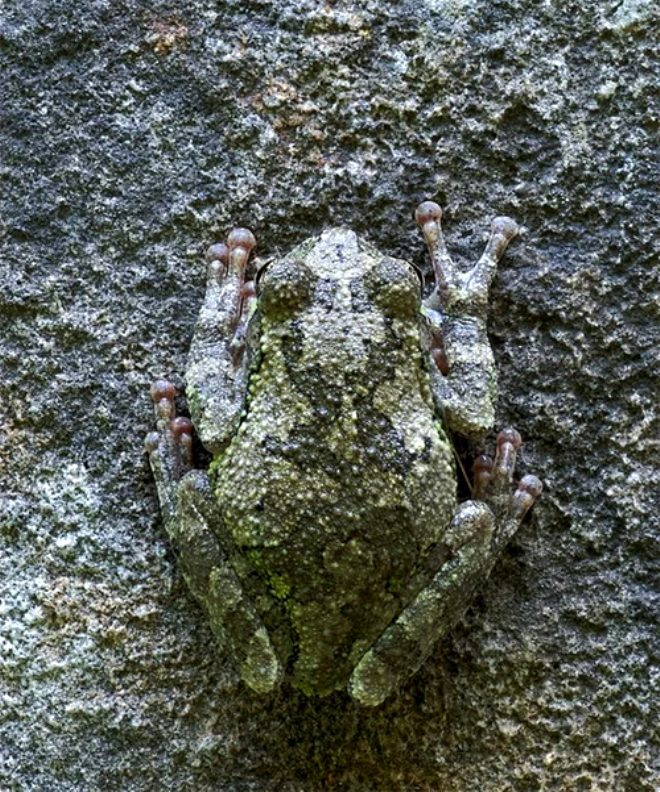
(133, 135)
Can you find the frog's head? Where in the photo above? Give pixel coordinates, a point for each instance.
(339, 273)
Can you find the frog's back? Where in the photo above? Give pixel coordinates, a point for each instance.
(338, 479)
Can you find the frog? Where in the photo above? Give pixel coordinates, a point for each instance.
(325, 541)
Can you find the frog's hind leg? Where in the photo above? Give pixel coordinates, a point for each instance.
(218, 363)
(474, 540)
(189, 509)
(408, 641)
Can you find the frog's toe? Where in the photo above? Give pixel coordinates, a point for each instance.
(219, 252)
(529, 489)
(495, 477)
(493, 480)
(151, 442)
(241, 238)
(482, 473)
(505, 227)
(172, 440)
(162, 394)
(427, 216)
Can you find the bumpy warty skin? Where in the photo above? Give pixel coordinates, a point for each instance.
(135, 134)
(339, 482)
(325, 541)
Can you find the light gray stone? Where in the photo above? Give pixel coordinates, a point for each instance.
(133, 135)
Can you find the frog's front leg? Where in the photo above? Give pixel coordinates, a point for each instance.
(218, 363)
(463, 370)
(189, 510)
(474, 540)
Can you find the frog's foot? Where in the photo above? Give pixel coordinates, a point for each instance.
(218, 364)
(463, 289)
(462, 365)
(169, 447)
(227, 265)
(493, 483)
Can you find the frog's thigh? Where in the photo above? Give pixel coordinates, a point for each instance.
(214, 583)
(408, 641)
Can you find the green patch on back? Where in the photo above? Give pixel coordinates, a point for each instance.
(279, 587)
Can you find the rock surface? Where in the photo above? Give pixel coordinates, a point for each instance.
(133, 134)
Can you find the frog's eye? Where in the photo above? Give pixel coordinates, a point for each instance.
(396, 287)
(418, 274)
(259, 276)
(283, 287)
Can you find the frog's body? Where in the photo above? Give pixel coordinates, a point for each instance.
(322, 544)
(334, 458)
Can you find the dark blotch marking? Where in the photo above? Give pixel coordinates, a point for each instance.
(325, 292)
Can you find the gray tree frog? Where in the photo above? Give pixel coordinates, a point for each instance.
(325, 541)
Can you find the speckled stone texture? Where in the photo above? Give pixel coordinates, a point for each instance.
(133, 134)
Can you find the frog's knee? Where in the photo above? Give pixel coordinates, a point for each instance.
(372, 680)
(260, 669)
(233, 617)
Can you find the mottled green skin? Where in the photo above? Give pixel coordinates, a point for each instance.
(325, 541)
(339, 483)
